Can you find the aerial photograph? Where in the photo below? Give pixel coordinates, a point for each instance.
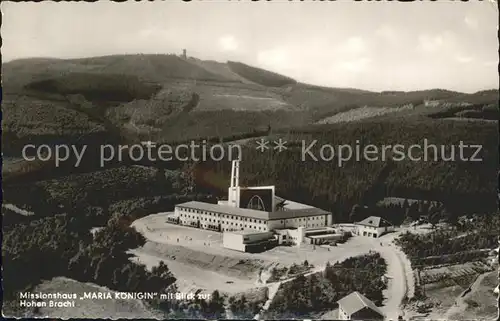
(258, 160)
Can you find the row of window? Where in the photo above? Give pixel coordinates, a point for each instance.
(306, 219)
(243, 219)
(230, 229)
(233, 223)
(215, 227)
(218, 221)
(233, 217)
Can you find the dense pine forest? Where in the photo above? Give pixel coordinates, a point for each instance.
(463, 186)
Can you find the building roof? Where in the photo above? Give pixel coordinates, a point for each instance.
(374, 221)
(290, 205)
(248, 233)
(401, 200)
(322, 236)
(304, 212)
(261, 215)
(278, 199)
(319, 229)
(355, 302)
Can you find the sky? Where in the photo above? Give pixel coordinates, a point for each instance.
(367, 45)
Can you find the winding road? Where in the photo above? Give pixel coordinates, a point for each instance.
(399, 273)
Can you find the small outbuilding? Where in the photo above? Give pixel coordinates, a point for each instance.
(373, 226)
(356, 306)
(248, 241)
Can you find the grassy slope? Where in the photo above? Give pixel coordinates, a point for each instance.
(260, 76)
(483, 302)
(220, 68)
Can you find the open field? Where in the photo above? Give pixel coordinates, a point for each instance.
(456, 271)
(362, 113)
(91, 309)
(234, 96)
(481, 303)
(440, 299)
(192, 277)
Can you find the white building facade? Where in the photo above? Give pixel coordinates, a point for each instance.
(225, 218)
(251, 210)
(248, 241)
(373, 226)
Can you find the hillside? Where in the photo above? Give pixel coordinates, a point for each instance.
(37, 121)
(95, 87)
(127, 99)
(260, 76)
(220, 68)
(151, 68)
(165, 98)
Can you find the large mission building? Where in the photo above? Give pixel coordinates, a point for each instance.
(250, 210)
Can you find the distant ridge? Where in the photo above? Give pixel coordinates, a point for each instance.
(162, 67)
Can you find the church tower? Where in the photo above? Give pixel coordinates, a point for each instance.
(234, 188)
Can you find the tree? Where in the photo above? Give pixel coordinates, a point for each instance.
(450, 217)
(188, 178)
(329, 271)
(96, 215)
(413, 212)
(102, 270)
(356, 213)
(405, 204)
(434, 218)
(215, 308)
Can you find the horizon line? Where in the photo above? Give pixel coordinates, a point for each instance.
(225, 62)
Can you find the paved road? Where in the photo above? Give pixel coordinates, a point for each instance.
(397, 285)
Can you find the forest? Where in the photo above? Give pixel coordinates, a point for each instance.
(468, 239)
(103, 88)
(306, 296)
(466, 187)
(62, 245)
